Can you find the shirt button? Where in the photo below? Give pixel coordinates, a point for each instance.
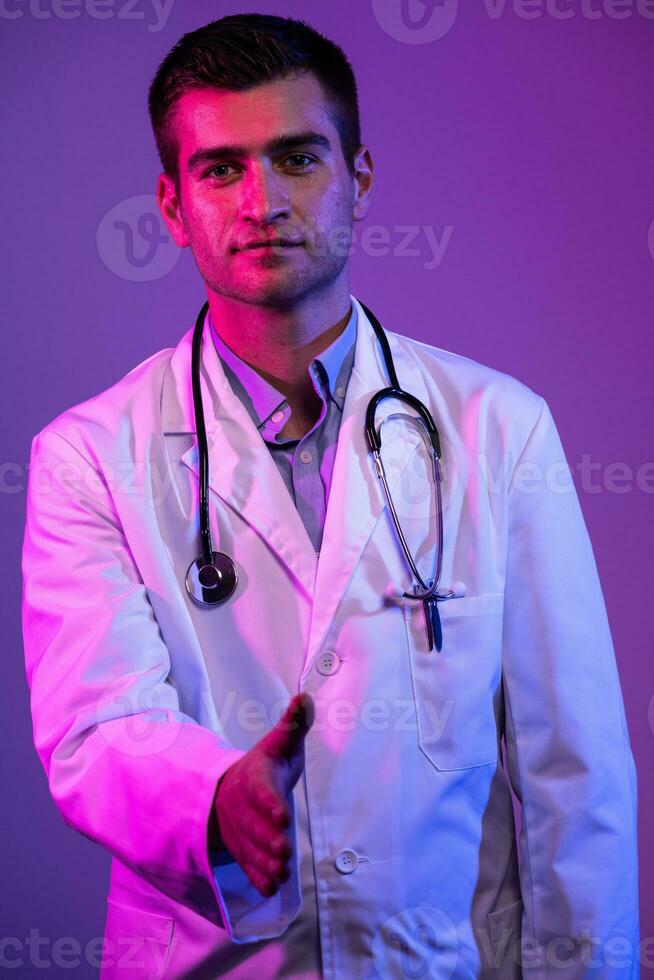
(346, 861)
(305, 456)
(340, 392)
(328, 662)
(276, 416)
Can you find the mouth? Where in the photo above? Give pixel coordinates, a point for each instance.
(273, 245)
(275, 254)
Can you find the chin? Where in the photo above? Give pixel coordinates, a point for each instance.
(281, 293)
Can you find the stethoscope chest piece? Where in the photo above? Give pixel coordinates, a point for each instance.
(211, 584)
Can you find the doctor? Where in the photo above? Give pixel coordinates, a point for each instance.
(297, 781)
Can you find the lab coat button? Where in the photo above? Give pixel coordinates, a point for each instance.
(346, 861)
(328, 662)
(306, 456)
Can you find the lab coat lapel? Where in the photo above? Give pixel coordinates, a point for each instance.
(241, 470)
(356, 498)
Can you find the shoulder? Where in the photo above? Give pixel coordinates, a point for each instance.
(101, 421)
(476, 396)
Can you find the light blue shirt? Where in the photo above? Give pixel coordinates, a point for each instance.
(306, 465)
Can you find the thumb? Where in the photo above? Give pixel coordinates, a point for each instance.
(287, 736)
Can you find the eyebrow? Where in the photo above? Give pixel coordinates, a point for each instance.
(288, 141)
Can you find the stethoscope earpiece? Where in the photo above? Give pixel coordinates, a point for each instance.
(211, 583)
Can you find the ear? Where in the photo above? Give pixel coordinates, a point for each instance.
(363, 182)
(171, 211)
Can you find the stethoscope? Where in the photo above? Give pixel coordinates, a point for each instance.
(212, 577)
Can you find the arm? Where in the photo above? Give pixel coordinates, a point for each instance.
(567, 745)
(126, 767)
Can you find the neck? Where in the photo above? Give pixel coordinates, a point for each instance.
(280, 343)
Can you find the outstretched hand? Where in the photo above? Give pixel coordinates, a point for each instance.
(251, 812)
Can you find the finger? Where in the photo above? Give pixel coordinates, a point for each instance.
(265, 885)
(287, 736)
(272, 807)
(265, 834)
(271, 867)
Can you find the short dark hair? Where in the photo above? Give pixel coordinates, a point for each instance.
(242, 51)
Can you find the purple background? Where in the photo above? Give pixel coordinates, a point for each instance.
(529, 137)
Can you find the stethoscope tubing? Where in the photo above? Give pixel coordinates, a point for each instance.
(203, 454)
(427, 590)
(212, 577)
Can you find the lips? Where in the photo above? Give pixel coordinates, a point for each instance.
(269, 242)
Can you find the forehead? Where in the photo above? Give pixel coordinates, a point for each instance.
(203, 116)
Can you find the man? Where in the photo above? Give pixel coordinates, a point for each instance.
(292, 783)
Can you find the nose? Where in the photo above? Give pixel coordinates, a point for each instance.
(264, 196)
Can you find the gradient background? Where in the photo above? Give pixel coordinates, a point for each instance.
(521, 136)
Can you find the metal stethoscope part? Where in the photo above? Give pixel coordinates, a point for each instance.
(212, 577)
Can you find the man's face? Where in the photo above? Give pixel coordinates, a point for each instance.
(301, 191)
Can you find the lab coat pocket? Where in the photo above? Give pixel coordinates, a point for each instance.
(136, 943)
(454, 688)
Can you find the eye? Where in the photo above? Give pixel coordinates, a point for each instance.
(301, 156)
(305, 161)
(212, 172)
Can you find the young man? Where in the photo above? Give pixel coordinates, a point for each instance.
(291, 782)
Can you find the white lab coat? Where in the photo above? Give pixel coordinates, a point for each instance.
(406, 861)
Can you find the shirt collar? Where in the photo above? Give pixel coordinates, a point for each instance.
(336, 362)
(262, 399)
